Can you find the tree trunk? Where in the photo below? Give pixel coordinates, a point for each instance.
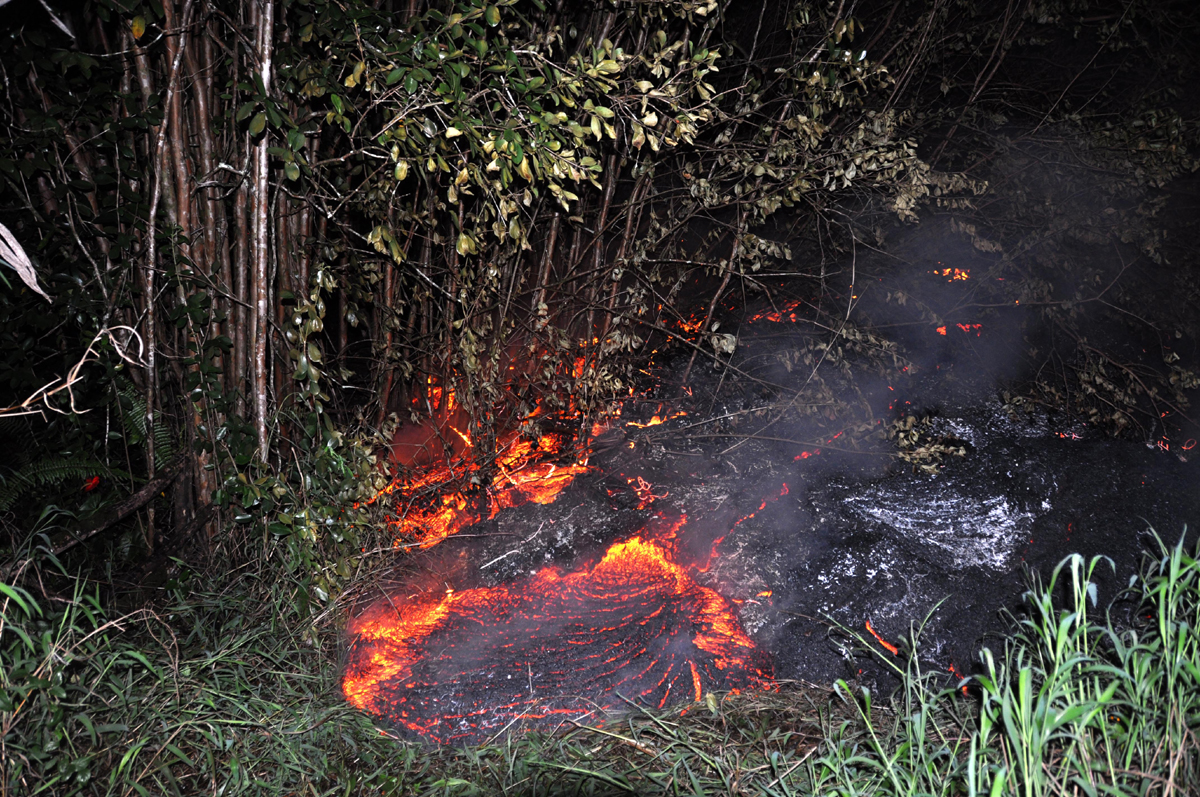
(266, 22)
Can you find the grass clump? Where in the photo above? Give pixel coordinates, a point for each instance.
(228, 692)
(1071, 704)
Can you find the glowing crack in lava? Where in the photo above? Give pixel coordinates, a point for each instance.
(458, 666)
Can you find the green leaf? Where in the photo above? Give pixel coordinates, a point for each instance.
(337, 103)
(258, 123)
(15, 594)
(395, 76)
(244, 112)
(492, 15)
(291, 171)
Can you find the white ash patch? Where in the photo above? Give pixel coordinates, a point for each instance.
(976, 532)
(955, 428)
(880, 570)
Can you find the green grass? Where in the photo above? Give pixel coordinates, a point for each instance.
(229, 693)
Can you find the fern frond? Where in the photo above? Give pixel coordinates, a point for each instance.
(49, 471)
(132, 405)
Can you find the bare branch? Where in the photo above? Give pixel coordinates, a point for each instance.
(13, 256)
(121, 345)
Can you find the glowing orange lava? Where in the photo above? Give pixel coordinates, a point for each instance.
(895, 651)
(461, 665)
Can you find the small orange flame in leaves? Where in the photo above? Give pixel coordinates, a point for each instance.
(941, 330)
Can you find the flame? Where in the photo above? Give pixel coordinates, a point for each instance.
(458, 665)
(657, 420)
(954, 671)
(968, 328)
(941, 330)
(433, 509)
(465, 437)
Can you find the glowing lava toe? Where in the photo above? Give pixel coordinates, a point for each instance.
(459, 666)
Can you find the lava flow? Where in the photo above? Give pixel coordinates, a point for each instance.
(457, 666)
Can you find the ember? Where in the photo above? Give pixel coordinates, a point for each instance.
(786, 313)
(460, 665)
(953, 274)
(644, 491)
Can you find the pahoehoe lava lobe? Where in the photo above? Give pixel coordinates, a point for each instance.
(457, 666)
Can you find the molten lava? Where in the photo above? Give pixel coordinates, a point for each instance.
(895, 651)
(461, 665)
